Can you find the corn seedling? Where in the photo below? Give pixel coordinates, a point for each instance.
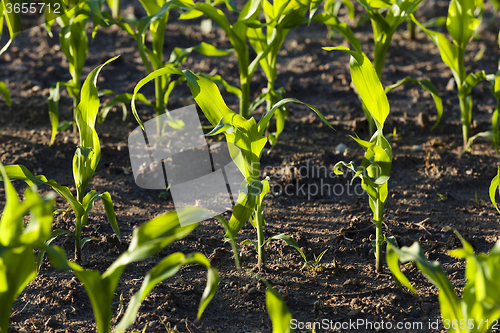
(461, 24)
(17, 241)
(85, 162)
(478, 309)
(375, 168)
(246, 143)
(314, 264)
(147, 240)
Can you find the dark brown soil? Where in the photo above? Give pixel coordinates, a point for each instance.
(435, 185)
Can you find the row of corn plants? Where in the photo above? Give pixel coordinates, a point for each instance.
(248, 138)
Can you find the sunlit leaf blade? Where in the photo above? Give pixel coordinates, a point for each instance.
(54, 110)
(494, 185)
(21, 172)
(367, 84)
(278, 312)
(461, 22)
(447, 50)
(4, 91)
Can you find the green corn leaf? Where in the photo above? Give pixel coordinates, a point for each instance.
(4, 90)
(461, 23)
(242, 210)
(147, 240)
(12, 19)
(21, 172)
(367, 84)
(448, 52)
(156, 234)
(313, 7)
(278, 311)
(470, 82)
(17, 269)
(85, 165)
(110, 213)
(10, 227)
(427, 85)
(210, 290)
(17, 241)
(495, 183)
(54, 109)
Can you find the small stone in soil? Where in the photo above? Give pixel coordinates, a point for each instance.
(51, 322)
(353, 313)
(252, 291)
(416, 148)
(446, 228)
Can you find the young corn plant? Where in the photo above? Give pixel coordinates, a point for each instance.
(17, 241)
(375, 168)
(479, 307)
(461, 23)
(147, 240)
(85, 161)
(246, 144)
(384, 27)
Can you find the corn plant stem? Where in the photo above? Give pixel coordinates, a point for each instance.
(259, 223)
(78, 239)
(465, 116)
(115, 10)
(465, 112)
(160, 107)
(269, 97)
(410, 26)
(378, 218)
(245, 98)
